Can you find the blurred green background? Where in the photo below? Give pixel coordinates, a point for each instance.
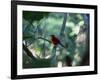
(72, 29)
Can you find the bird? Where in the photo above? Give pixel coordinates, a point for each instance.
(55, 41)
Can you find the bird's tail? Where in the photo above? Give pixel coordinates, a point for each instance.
(62, 45)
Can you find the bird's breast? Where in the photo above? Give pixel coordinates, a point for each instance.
(54, 41)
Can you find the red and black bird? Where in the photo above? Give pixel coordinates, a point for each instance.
(55, 41)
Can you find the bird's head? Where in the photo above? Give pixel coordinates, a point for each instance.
(52, 35)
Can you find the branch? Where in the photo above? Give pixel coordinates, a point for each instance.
(28, 52)
(44, 39)
(63, 25)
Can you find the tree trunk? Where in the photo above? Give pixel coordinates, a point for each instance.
(63, 25)
(54, 58)
(28, 52)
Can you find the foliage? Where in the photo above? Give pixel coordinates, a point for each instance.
(67, 27)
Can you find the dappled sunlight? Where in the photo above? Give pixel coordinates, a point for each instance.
(54, 39)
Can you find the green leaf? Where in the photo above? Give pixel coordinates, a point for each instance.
(34, 16)
(27, 37)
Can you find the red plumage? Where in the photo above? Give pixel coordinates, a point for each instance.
(55, 41)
